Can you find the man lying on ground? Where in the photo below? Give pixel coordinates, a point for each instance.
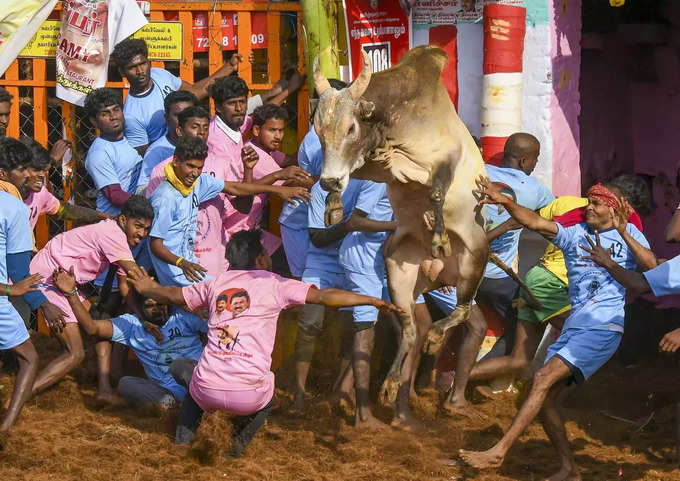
(233, 373)
(180, 339)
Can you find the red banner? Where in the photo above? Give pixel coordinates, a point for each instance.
(381, 28)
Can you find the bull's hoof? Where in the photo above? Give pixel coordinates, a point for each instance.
(428, 219)
(333, 213)
(388, 391)
(441, 245)
(434, 340)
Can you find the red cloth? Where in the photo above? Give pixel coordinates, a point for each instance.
(604, 195)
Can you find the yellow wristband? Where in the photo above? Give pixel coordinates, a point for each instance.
(179, 259)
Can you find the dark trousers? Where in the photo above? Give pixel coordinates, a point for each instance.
(190, 413)
(499, 294)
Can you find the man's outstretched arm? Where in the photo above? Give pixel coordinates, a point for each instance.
(490, 194)
(341, 298)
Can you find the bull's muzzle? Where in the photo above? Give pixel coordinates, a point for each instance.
(331, 184)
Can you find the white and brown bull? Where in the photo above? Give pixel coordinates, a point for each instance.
(400, 127)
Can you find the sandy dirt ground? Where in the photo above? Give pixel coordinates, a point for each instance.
(66, 434)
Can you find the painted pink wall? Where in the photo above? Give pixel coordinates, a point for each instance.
(565, 27)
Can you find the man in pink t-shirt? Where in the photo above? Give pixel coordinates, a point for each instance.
(40, 201)
(89, 250)
(269, 122)
(244, 304)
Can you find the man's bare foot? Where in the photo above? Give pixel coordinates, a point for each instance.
(407, 422)
(110, 397)
(566, 473)
(462, 409)
(299, 404)
(481, 459)
(485, 391)
(369, 423)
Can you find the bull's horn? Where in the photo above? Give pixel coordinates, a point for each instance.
(360, 84)
(321, 83)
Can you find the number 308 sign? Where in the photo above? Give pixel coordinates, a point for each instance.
(380, 55)
(381, 28)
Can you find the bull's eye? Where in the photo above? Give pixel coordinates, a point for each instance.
(351, 129)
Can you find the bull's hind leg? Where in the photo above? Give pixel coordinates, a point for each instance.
(402, 270)
(441, 181)
(471, 259)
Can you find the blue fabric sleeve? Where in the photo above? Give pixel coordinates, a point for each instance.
(664, 279)
(100, 167)
(370, 194)
(208, 187)
(17, 269)
(19, 235)
(123, 328)
(162, 219)
(637, 235)
(135, 132)
(310, 156)
(564, 235)
(543, 197)
(317, 207)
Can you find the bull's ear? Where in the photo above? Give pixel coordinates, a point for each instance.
(366, 108)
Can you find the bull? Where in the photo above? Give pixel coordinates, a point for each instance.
(400, 127)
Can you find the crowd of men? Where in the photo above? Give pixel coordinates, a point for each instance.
(179, 242)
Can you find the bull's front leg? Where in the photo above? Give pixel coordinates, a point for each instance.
(402, 277)
(441, 180)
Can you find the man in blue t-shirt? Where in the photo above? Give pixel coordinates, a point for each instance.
(293, 218)
(111, 161)
(322, 269)
(180, 332)
(360, 256)
(497, 289)
(175, 203)
(164, 146)
(592, 332)
(16, 244)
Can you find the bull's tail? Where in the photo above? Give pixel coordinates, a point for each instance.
(533, 302)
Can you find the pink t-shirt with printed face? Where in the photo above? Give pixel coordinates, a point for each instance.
(244, 308)
(41, 202)
(89, 249)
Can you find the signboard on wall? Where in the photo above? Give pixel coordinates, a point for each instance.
(381, 28)
(446, 12)
(163, 38)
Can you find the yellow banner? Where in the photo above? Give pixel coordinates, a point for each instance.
(44, 42)
(164, 40)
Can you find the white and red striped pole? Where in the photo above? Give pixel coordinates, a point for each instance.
(501, 115)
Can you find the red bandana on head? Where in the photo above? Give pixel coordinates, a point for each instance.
(600, 192)
(604, 195)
